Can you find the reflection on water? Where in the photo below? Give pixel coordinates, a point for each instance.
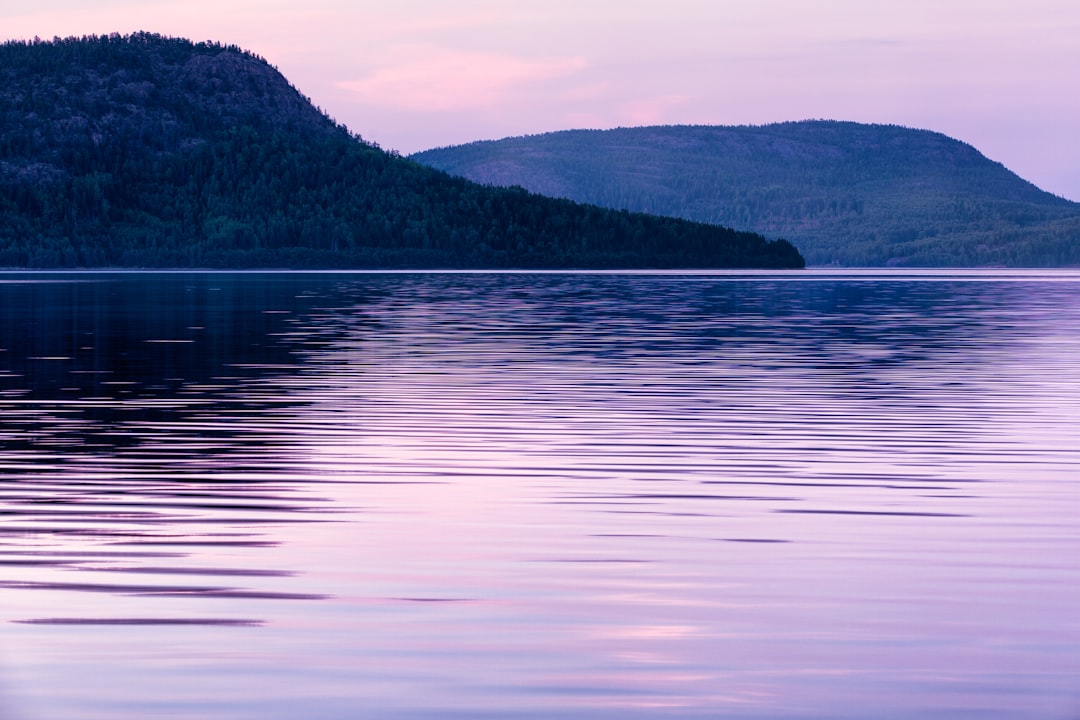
(537, 495)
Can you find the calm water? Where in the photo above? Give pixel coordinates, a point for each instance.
(540, 495)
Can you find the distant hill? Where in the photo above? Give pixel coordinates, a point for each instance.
(844, 193)
(149, 151)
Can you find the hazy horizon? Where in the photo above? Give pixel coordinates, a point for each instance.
(419, 75)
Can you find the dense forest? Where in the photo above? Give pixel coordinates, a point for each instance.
(149, 151)
(845, 193)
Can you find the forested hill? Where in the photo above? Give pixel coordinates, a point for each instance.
(149, 151)
(845, 193)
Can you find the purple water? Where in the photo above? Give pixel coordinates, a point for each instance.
(804, 495)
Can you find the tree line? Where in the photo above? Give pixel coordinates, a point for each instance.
(157, 152)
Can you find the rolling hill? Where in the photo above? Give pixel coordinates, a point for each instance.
(845, 193)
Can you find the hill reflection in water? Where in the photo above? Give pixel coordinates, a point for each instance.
(520, 495)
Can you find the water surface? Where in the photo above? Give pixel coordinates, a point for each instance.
(418, 495)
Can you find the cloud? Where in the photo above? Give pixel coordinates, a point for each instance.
(432, 79)
(652, 110)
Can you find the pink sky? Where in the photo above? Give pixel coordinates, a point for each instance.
(413, 74)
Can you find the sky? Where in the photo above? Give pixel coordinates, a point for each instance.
(1001, 75)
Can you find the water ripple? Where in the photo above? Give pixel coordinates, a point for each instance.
(540, 495)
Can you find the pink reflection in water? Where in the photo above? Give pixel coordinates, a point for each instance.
(743, 508)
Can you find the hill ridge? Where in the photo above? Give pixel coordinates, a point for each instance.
(847, 193)
(146, 150)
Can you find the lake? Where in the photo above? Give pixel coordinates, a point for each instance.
(818, 494)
